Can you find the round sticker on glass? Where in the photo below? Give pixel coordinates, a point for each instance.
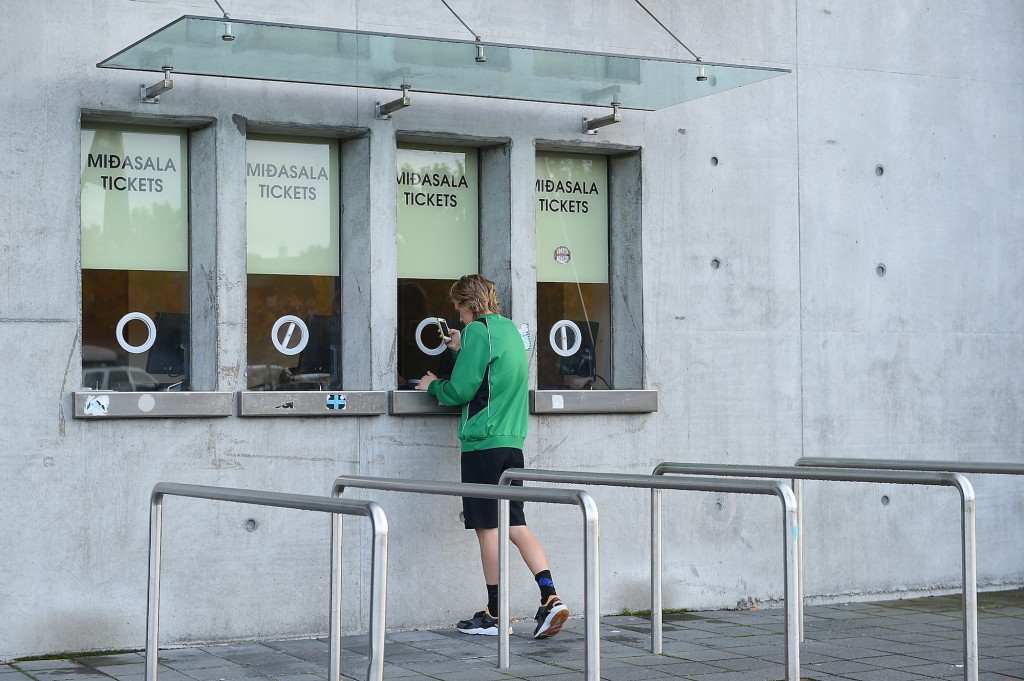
(284, 345)
(563, 255)
(150, 328)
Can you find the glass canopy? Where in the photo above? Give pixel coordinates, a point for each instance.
(209, 46)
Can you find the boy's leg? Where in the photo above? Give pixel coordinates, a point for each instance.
(529, 548)
(552, 614)
(488, 539)
(485, 622)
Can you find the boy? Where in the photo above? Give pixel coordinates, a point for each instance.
(490, 381)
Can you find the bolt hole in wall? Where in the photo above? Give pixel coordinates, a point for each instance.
(880, 269)
(885, 500)
(879, 170)
(714, 160)
(251, 525)
(135, 278)
(715, 263)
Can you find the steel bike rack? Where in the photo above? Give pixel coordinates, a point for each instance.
(981, 467)
(591, 560)
(657, 483)
(968, 540)
(984, 467)
(336, 507)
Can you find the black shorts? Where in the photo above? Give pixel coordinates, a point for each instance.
(485, 467)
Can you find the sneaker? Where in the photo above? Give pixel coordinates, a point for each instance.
(480, 623)
(550, 618)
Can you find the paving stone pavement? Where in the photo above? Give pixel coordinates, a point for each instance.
(900, 640)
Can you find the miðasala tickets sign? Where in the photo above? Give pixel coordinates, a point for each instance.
(134, 199)
(438, 219)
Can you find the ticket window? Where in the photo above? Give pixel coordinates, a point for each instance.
(573, 295)
(438, 242)
(293, 264)
(135, 260)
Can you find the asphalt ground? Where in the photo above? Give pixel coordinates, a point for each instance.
(896, 640)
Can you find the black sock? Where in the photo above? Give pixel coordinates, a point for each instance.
(547, 587)
(492, 599)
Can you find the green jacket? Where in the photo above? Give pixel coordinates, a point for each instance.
(491, 383)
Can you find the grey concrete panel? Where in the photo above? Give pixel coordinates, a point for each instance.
(727, 396)
(963, 41)
(939, 143)
(43, 367)
(31, 205)
(742, 212)
(912, 395)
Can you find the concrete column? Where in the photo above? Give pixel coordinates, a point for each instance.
(231, 255)
(523, 244)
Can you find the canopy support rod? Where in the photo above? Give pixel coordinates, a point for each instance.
(480, 58)
(666, 29)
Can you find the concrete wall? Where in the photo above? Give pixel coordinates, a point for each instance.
(793, 346)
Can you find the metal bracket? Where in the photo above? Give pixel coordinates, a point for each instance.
(384, 111)
(151, 94)
(590, 126)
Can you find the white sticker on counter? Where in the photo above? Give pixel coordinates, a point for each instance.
(146, 403)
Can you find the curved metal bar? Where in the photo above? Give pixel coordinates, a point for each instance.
(591, 570)
(908, 477)
(657, 574)
(970, 572)
(304, 502)
(657, 483)
(378, 592)
(793, 571)
(591, 585)
(984, 467)
(807, 473)
(458, 489)
(505, 619)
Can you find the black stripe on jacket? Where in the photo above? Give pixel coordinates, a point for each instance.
(482, 398)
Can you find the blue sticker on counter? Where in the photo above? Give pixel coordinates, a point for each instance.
(796, 532)
(97, 405)
(335, 402)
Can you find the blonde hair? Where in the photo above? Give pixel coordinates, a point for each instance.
(475, 293)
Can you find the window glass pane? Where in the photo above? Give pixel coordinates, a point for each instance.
(573, 303)
(438, 242)
(135, 281)
(294, 259)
